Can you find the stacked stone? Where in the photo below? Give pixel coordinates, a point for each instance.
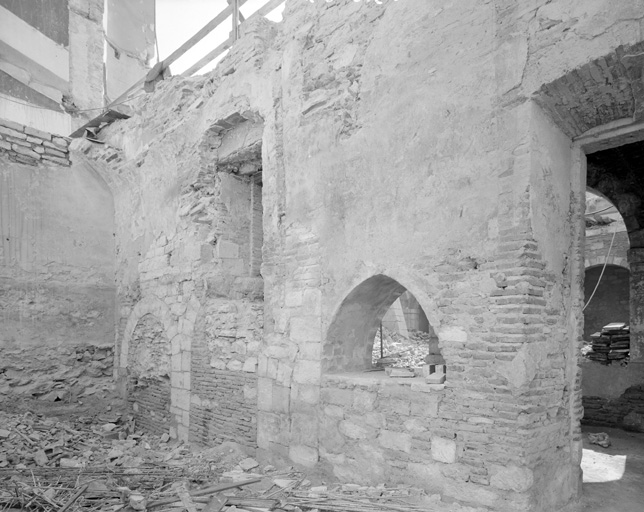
(604, 412)
(611, 344)
(30, 146)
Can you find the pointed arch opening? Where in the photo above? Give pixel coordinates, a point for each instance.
(379, 309)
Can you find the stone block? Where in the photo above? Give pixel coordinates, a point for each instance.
(307, 372)
(304, 428)
(12, 133)
(186, 361)
(218, 364)
(443, 450)
(37, 133)
(25, 151)
(312, 302)
(395, 440)
(55, 159)
(452, 334)
(364, 400)
(293, 299)
(284, 373)
(234, 365)
(342, 397)
(353, 431)
(304, 455)
(306, 328)
(415, 425)
(5, 145)
(271, 428)
(281, 398)
(305, 393)
(60, 142)
(10, 124)
(250, 365)
(435, 378)
(473, 494)
(271, 368)
(227, 249)
(264, 394)
(511, 478)
(180, 398)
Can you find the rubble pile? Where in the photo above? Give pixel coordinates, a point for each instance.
(611, 344)
(60, 466)
(400, 351)
(84, 371)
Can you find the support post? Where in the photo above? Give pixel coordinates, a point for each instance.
(235, 33)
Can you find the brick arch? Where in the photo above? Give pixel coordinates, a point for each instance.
(617, 261)
(594, 99)
(357, 317)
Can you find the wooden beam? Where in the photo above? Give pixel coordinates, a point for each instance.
(208, 58)
(235, 32)
(207, 28)
(179, 52)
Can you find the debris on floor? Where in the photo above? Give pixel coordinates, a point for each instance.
(600, 438)
(83, 465)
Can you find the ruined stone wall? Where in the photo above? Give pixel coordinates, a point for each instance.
(189, 242)
(56, 279)
(405, 159)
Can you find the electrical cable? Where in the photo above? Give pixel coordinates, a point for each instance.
(599, 211)
(75, 110)
(602, 272)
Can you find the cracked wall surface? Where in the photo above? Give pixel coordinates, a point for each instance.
(432, 156)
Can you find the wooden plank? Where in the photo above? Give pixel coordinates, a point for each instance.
(208, 58)
(206, 492)
(262, 11)
(179, 52)
(206, 29)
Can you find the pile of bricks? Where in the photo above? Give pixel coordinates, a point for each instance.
(30, 146)
(611, 344)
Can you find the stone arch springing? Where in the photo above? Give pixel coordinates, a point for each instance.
(349, 341)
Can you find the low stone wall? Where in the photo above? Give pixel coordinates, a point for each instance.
(30, 146)
(621, 412)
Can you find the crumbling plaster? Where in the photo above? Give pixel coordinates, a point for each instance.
(411, 153)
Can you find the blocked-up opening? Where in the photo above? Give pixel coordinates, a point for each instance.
(149, 381)
(378, 305)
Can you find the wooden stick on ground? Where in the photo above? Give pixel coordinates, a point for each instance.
(76, 495)
(205, 492)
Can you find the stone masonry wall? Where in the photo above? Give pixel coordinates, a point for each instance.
(189, 251)
(30, 146)
(413, 154)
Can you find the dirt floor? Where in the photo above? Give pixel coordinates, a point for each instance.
(613, 476)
